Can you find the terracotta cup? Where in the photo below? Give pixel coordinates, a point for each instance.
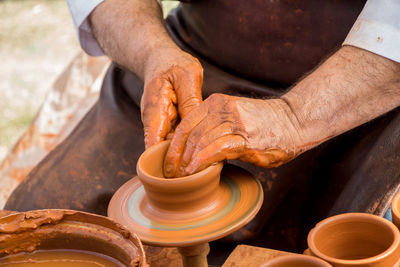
(396, 210)
(296, 260)
(190, 196)
(68, 229)
(355, 239)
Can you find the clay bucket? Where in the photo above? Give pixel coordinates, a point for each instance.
(355, 239)
(396, 210)
(67, 229)
(296, 260)
(178, 198)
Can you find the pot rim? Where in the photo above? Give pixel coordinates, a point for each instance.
(286, 258)
(148, 178)
(363, 216)
(70, 222)
(396, 206)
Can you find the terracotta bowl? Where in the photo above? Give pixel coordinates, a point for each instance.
(67, 229)
(296, 261)
(192, 196)
(396, 210)
(355, 239)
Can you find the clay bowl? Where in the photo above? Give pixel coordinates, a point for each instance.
(355, 239)
(67, 229)
(183, 197)
(396, 210)
(296, 261)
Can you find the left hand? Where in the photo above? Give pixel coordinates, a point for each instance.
(262, 132)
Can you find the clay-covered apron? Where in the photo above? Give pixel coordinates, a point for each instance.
(254, 48)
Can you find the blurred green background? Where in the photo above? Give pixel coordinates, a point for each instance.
(37, 41)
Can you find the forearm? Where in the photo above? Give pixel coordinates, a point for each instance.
(128, 31)
(352, 87)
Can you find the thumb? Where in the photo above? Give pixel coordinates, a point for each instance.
(158, 112)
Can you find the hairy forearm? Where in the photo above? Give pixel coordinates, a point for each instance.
(128, 31)
(350, 88)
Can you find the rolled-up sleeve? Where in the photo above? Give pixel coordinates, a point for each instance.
(80, 11)
(377, 29)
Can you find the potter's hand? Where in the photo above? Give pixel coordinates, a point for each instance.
(350, 88)
(132, 34)
(172, 87)
(262, 132)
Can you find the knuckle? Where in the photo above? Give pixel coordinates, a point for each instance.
(190, 143)
(215, 97)
(219, 101)
(198, 68)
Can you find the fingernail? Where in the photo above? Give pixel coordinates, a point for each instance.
(187, 171)
(168, 169)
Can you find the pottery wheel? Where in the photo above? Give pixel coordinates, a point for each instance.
(239, 200)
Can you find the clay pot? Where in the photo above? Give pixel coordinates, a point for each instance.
(188, 197)
(67, 229)
(396, 210)
(296, 261)
(185, 211)
(355, 239)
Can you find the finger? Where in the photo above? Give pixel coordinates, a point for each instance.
(221, 113)
(188, 90)
(158, 124)
(204, 134)
(226, 147)
(170, 135)
(178, 142)
(158, 111)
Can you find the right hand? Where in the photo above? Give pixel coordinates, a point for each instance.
(258, 131)
(172, 88)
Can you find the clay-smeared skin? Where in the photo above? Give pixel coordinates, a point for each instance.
(133, 35)
(352, 87)
(227, 127)
(172, 90)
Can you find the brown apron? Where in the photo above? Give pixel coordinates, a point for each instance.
(248, 48)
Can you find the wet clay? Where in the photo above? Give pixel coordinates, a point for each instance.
(23, 224)
(67, 229)
(31, 220)
(185, 211)
(59, 258)
(189, 196)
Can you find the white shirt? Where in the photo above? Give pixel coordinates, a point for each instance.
(377, 29)
(80, 11)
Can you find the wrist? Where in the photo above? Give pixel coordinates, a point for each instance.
(160, 55)
(289, 125)
(141, 53)
(350, 88)
(130, 31)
